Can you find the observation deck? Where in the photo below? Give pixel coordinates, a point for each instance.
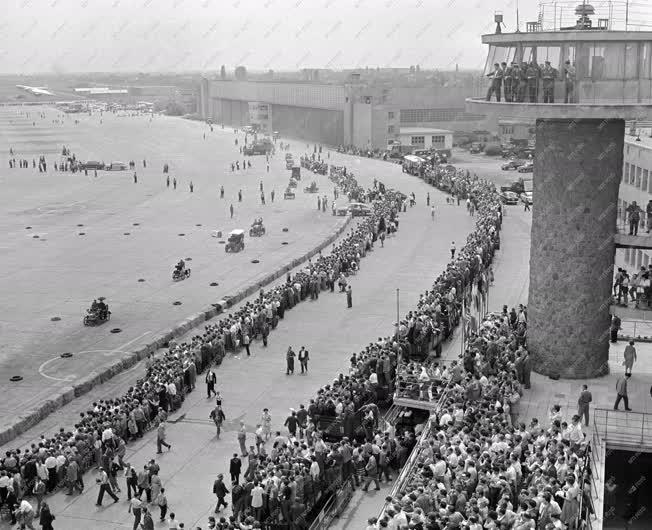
(580, 84)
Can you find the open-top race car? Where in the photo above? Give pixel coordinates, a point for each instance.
(257, 229)
(312, 188)
(180, 272)
(98, 313)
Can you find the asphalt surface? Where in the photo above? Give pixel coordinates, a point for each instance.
(102, 236)
(409, 262)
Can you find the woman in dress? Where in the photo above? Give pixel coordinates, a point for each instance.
(571, 506)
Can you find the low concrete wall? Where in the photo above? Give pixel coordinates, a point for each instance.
(84, 384)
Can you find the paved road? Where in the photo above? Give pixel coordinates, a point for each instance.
(59, 273)
(330, 331)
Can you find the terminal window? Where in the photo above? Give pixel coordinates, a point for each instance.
(390, 129)
(390, 115)
(638, 176)
(632, 173)
(418, 140)
(438, 139)
(626, 172)
(645, 175)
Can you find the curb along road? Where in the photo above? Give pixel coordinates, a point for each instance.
(66, 394)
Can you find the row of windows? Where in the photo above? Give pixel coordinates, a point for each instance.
(637, 258)
(430, 115)
(598, 60)
(636, 176)
(418, 140)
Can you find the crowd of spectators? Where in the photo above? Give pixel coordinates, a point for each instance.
(476, 466)
(99, 437)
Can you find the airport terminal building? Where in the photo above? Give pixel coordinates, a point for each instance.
(367, 115)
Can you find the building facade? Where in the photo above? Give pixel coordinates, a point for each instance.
(636, 185)
(367, 115)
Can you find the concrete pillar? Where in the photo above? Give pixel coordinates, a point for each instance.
(578, 169)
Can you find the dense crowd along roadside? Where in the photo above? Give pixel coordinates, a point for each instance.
(100, 436)
(337, 438)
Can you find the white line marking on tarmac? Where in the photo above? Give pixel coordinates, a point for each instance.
(119, 349)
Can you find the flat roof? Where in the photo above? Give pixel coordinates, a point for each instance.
(645, 143)
(423, 130)
(574, 35)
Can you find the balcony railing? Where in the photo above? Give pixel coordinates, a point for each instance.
(627, 430)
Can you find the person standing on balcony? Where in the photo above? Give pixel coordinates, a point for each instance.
(569, 82)
(634, 211)
(496, 82)
(516, 81)
(548, 76)
(533, 73)
(583, 404)
(508, 82)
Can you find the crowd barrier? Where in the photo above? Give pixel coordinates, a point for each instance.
(84, 384)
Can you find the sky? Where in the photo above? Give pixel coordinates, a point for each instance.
(66, 36)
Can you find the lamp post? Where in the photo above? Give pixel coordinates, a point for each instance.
(397, 311)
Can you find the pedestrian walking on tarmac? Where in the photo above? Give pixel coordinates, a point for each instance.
(428, 199)
(167, 181)
(135, 178)
(289, 358)
(583, 404)
(629, 357)
(220, 491)
(192, 186)
(349, 297)
(432, 213)
(211, 379)
(453, 249)
(217, 415)
(621, 390)
(526, 207)
(239, 195)
(242, 439)
(235, 468)
(160, 438)
(272, 195)
(221, 192)
(245, 342)
(303, 357)
(231, 209)
(174, 183)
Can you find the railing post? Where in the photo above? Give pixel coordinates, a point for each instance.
(642, 429)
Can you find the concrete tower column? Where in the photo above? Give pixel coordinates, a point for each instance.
(578, 170)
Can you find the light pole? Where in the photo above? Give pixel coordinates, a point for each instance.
(397, 311)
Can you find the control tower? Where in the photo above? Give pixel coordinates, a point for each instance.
(579, 82)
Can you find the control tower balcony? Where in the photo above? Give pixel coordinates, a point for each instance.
(580, 83)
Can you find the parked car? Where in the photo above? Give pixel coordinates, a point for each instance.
(526, 168)
(476, 148)
(92, 165)
(526, 197)
(512, 164)
(509, 197)
(117, 166)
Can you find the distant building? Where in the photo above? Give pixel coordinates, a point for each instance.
(426, 138)
(510, 130)
(367, 110)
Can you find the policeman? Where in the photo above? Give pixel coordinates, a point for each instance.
(516, 80)
(523, 84)
(496, 82)
(508, 81)
(532, 75)
(548, 76)
(569, 82)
